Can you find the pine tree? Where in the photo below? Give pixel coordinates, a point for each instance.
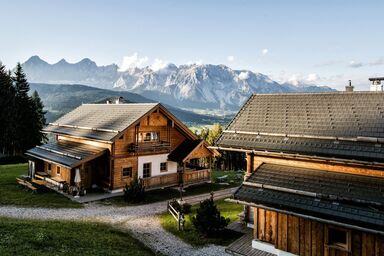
(7, 100)
(25, 114)
(39, 119)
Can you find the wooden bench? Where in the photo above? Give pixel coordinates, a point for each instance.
(26, 184)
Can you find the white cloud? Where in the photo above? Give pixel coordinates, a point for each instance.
(264, 51)
(158, 64)
(355, 64)
(377, 62)
(313, 77)
(243, 75)
(132, 61)
(231, 58)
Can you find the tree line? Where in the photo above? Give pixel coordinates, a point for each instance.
(228, 160)
(22, 117)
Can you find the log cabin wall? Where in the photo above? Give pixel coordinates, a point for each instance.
(318, 165)
(65, 173)
(119, 181)
(310, 238)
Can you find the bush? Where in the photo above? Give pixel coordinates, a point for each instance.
(208, 220)
(135, 191)
(187, 208)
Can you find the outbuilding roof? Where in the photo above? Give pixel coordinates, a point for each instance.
(343, 124)
(66, 153)
(349, 199)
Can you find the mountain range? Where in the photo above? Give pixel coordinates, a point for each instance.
(59, 99)
(194, 86)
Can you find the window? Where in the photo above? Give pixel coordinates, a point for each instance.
(163, 167)
(49, 167)
(57, 169)
(149, 136)
(127, 172)
(338, 238)
(146, 170)
(121, 137)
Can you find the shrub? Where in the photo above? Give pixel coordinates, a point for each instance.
(187, 208)
(135, 191)
(208, 220)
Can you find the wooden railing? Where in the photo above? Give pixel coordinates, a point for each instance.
(149, 147)
(161, 181)
(195, 176)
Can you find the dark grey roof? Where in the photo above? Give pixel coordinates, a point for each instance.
(346, 198)
(100, 121)
(183, 150)
(311, 122)
(66, 153)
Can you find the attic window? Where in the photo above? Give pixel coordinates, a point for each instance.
(121, 137)
(149, 136)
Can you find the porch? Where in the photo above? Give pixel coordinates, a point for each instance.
(162, 181)
(68, 167)
(194, 161)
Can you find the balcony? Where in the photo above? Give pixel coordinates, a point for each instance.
(194, 176)
(147, 147)
(161, 181)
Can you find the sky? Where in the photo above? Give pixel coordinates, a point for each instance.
(321, 42)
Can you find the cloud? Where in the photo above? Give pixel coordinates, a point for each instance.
(355, 64)
(159, 64)
(231, 58)
(243, 75)
(377, 62)
(264, 52)
(132, 61)
(312, 77)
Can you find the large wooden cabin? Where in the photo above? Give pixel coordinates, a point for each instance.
(315, 172)
(110, 144)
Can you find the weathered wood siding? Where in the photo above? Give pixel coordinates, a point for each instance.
(306, 237)
(318, 165)
(119, 180)
(65, 173)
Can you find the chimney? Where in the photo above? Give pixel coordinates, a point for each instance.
(119, 100)
(108, 102)
(376, 85)
(349, 87)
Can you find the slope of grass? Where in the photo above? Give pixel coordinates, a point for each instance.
(12, 193)
(35, 237)
(192, 236)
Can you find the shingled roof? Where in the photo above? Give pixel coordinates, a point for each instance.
(349, 199)
(66, 153)
(100, 121)
(337, 124)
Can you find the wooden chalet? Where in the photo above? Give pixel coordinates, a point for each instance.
(315, 172)
(110, 144)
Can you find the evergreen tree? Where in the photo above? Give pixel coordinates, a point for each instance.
(25, 114)
(7, 100)
(40, 120)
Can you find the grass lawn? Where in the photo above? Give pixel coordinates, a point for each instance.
(12, 193)
(36, 237)
(170, 193)
(191, 236)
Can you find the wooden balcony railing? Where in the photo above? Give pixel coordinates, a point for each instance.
(161, 181)
(191, 176)
(150, 147)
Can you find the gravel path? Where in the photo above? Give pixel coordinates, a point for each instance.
(140, 221)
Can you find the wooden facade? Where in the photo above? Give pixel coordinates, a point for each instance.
(307, 237)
